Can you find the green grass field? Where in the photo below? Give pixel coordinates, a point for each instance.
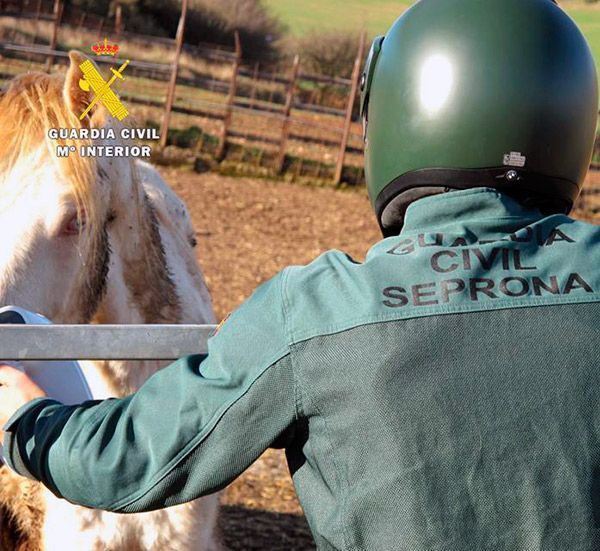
(377, 15)
(589, 22)
(305, 16)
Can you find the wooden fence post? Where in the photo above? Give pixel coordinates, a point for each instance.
(222, 147)
(38, 11)
(254, 84)
(349, 108)
(81, 21)
(289, 101)
(164, 130)
(118, 21)
(58, 10)
(581, 202)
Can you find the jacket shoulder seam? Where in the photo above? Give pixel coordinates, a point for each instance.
(286, 306)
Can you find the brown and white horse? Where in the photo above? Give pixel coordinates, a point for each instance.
(91, 240)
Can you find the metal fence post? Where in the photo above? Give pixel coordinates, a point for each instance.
(289, 101)
(349, 108)
(58, 10)
(164, 130)
(221, 149)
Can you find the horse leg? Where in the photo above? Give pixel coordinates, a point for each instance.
(21, 512)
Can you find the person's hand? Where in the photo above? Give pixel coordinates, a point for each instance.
(16, 389)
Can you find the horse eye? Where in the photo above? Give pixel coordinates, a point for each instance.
(74, 225)
(193, 242)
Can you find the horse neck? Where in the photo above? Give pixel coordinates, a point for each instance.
(153, 278)
(139, 289)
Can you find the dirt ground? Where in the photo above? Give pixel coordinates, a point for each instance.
(248, 230)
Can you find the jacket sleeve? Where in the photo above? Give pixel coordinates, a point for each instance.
(188, 431)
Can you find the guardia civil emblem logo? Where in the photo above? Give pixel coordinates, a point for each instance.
(93, 80)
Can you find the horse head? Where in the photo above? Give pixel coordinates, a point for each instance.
(72, 226)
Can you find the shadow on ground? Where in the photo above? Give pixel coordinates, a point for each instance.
(245, 529)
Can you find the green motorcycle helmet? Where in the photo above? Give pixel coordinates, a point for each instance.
(478, 93)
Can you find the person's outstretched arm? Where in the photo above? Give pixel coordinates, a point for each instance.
(190, 429)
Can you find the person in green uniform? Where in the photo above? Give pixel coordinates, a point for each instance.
(442, 395)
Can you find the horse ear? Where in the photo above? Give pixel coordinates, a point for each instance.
(77, 93)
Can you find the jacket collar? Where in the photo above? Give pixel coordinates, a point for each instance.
(481, 212)
(461, 207)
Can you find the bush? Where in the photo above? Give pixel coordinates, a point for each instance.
(212, 21)
(215, 21)
(328, 54)
(99, 7)
(184, 138)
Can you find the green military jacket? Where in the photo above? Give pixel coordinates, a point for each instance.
(442, 395)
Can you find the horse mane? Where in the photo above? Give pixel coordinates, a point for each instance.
(30, 106)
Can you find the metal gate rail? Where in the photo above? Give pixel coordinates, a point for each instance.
(102, 342)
